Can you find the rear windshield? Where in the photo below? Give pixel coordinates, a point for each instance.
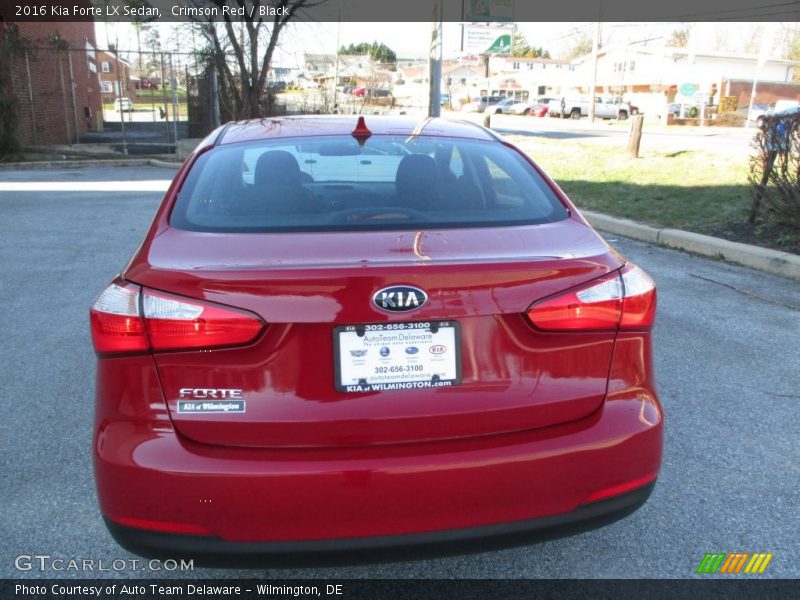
(391, 182)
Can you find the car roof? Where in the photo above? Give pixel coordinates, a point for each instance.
(269, 128)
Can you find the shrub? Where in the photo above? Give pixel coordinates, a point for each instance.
(775, 169)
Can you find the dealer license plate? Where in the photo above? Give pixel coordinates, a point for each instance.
(397, 356)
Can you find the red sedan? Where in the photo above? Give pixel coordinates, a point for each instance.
(349, 335)
(539, 110)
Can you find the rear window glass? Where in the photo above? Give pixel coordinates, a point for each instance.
(391, 182)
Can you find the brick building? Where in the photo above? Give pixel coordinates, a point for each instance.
(115, 76)
(52, 73)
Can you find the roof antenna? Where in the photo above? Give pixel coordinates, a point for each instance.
(361, 132)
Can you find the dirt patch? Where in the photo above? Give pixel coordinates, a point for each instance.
(767, 234)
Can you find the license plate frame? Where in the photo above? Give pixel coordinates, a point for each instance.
(421, 354)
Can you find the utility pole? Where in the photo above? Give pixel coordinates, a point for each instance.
(435, 96)
(119, 96)
(595, 48)
(173, 84)
(762, 58)
(336, 67)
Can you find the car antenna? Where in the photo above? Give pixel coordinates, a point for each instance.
(361, 132)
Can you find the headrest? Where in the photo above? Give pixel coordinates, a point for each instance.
(277, 167)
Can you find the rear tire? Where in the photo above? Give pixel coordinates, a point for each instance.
(575, 114)
(623, 114)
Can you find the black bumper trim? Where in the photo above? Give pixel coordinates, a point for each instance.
(212, 551)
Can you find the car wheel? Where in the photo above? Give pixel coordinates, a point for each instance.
(623, 114)
(575, 114)
(760, 122)
(499, 111)
(526, 112)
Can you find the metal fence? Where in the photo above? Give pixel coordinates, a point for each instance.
(146, 101)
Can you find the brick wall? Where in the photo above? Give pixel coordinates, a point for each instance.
(767, 92)
(41, 82)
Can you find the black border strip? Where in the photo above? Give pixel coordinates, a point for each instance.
(423, 11)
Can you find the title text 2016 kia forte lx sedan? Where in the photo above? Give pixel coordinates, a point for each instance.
(350, 334)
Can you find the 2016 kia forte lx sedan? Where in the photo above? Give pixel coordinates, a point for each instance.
(352, 334)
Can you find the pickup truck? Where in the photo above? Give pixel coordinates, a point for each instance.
(603, 108)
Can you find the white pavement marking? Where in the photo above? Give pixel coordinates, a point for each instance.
(151, 185)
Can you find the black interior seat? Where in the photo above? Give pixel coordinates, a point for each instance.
(278, 184)
(417, 182)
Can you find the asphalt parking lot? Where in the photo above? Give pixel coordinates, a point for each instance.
(727, 364)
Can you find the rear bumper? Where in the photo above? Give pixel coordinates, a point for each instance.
(214, 550)
(163, 495)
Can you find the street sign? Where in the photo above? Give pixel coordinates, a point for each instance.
(486, 38)
(686, 89)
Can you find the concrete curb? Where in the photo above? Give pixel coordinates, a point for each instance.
(96, 162)
(164, 164)
(76, 164)
(776, 262)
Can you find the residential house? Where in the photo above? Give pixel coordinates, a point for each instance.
(523, 78)
(116, 76)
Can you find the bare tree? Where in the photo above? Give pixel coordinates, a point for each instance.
(752, 39)
(251, 48)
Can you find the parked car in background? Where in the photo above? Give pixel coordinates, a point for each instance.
(780, 108)
(504, 106)
(360, 92)
(604, 108)
(146, 84)
(757, 111)
(541, 107)
(123, 105)
(481, 103)
(520, 107)
(350, 333)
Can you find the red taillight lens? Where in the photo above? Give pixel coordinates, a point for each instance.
(164, 322)
(639, 302)
(625, 299)
(116, 324)
(595, 307)
(176, 323)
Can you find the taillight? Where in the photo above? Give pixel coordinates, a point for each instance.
(174, 323)
(625, 299)
(639, 299)
(126, 318)
(116, 323)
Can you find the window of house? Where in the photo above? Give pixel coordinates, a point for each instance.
(631, 65)
(105, 87)
(105, 67)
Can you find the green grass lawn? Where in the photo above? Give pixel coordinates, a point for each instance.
(149, 106)
(695, 190)
(158, 95)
